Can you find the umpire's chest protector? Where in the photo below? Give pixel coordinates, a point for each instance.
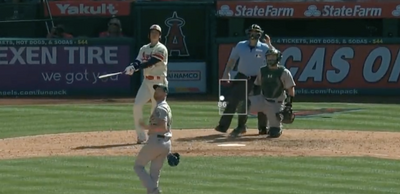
(271, 84)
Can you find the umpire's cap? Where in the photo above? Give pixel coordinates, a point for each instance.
(163, 86)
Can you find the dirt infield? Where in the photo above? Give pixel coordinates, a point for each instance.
(199, 142)
(208, 143)
(197, 97)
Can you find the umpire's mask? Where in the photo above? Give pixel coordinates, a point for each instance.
(273, 57)
(254, 32)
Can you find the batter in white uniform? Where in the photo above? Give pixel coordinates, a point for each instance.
(158, 146)
(153, 59)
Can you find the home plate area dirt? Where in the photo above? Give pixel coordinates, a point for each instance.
(203, 142)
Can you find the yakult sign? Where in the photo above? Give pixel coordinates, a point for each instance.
(308, 9)
(88, 8)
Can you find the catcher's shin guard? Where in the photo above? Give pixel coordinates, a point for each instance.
(274, 132)
(262, 123)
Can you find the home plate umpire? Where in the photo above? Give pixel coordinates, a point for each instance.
(251, 56)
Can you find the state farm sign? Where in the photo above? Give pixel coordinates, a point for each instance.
(343, 11)
(337, 66)
(88, 8)
(307, 9)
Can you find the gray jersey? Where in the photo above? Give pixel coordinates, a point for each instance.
(162, 111)
(156, 149)
(287, 81)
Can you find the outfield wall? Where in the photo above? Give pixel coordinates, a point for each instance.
(195, 34)
(335, 66)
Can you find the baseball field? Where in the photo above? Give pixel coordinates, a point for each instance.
(88, 147)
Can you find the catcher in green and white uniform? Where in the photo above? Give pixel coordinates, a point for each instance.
(276, 93)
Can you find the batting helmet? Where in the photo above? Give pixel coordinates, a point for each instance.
(254, 28)
(155, 27)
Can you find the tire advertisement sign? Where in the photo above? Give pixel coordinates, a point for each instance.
(337, 69)
(333, 10)
(62, 67)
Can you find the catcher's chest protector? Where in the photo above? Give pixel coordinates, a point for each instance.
(271, 84)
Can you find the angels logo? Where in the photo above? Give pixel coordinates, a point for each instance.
(145, 57)
(175, 40)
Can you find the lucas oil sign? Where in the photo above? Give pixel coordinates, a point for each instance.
(338, 69)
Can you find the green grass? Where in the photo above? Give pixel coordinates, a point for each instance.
(200, 175)
(225, 175)
(45, 119)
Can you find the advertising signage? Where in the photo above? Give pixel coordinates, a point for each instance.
(311, 10)
(337, 69)
(88, 8)
(62, 67)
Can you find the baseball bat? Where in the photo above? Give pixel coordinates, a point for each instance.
(110, 74)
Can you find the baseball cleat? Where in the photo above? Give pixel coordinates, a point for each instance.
(156, 191)
(262, 131)
(220, 129)
(238, 131)
(274, 132)
(141, 141)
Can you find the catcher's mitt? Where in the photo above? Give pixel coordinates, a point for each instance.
(286, 115)
(173, 159)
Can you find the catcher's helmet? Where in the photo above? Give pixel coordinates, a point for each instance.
(271, 61)
(254, 28)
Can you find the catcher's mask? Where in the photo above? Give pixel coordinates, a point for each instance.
(254, 32)
(273, 57)
(286, 116)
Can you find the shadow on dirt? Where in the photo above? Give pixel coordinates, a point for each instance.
(222, 138)
(105, 146)
(201, 138)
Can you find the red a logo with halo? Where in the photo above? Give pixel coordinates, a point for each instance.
(175, 40)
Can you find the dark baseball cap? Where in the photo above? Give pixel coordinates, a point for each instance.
(163, 86)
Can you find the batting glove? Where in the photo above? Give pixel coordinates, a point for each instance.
(132, 68)
(129, 70)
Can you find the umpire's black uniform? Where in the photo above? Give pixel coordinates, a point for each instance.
(251, 59)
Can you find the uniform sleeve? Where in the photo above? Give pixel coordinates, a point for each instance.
(287, 79)
(258, 79)
(140, 54)
(162, 114)
(234, 53)
(160, 53)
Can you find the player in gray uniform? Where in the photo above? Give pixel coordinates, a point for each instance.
(158, 145)
(274, 79)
